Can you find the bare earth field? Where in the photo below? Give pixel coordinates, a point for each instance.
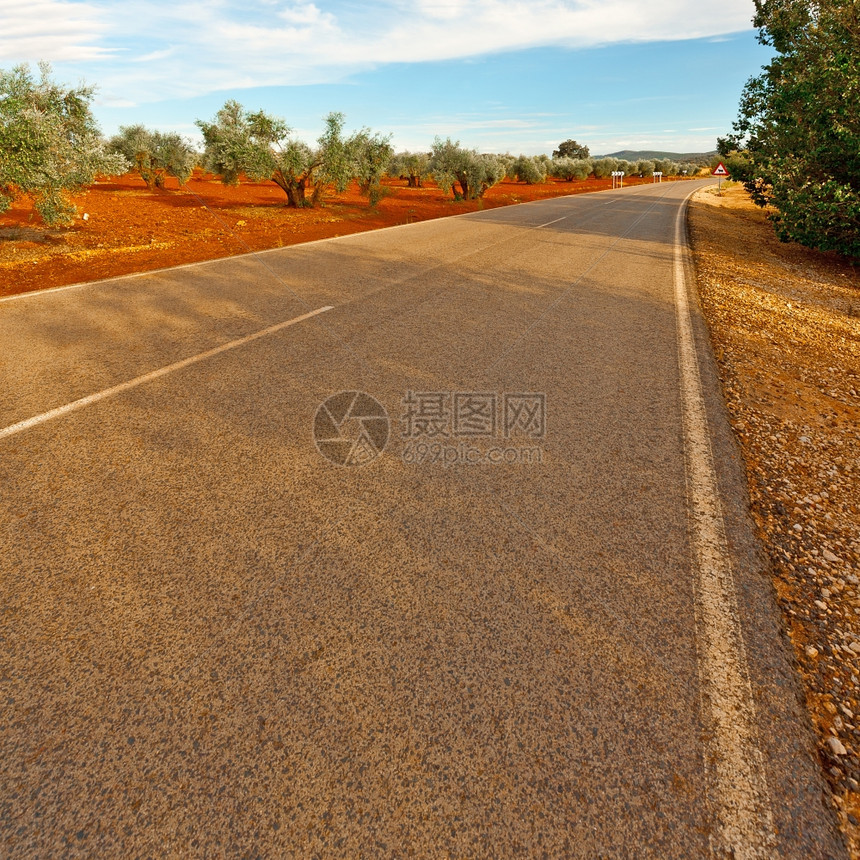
(130, 228)
(785, 325)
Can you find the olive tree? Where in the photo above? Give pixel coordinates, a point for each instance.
(371, 155)
(454, 166)
(412, 166)
(528, 169)
(155, 155)
(507, 161)
(262, 147)
(569, 169)
(603, 167)
(666, 166)
(50, 145)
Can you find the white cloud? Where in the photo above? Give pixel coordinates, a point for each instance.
(154, 56)
(55, 30)
(167, 49)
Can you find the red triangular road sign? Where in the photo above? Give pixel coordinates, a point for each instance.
(720, 170)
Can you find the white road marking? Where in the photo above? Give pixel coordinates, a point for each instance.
(551, 222)
(21, 426)
(733, 759)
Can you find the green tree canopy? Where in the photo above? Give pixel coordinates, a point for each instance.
(603, 167)
(527, 169)
(262, 147)
(571, 149)
(796, 142)
(468, 173)
(371, 155)
(155, 154)
(569, 169)
(50, 145)
(412, 166)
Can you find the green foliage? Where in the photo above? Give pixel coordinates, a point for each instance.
(569, 169)
(739, 165)
(262, 147)
(603, 167)
(238, 141)
(796, 142)
(50, 144)
(154, 154)
(571, 149)
(414, 167)
(468, 173)
(507, 161)
(371, 156)
(527, 169)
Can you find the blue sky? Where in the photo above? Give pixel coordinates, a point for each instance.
(499, 75)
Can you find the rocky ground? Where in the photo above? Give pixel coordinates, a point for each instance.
(785, 324)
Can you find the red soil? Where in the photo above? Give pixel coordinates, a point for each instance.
(129, 228)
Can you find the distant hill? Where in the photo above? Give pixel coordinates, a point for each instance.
(643, 154)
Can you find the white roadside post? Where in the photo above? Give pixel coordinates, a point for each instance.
(658, 175)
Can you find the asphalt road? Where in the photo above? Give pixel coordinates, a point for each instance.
(536, 625)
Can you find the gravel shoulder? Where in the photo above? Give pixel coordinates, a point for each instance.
(785, 327)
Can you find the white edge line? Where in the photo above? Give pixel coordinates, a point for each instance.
(733, 759)
(28, 423)
(30, 294)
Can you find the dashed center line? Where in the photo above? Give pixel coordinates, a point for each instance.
(551, 222)
(28, 423)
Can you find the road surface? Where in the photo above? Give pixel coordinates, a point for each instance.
(508, 604)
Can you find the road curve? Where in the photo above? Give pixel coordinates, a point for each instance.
(524, 616)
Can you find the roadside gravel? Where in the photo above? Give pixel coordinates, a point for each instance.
(785, 325)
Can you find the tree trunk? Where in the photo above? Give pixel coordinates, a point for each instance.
(295, 191)
(296, 194)
(464, 186)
